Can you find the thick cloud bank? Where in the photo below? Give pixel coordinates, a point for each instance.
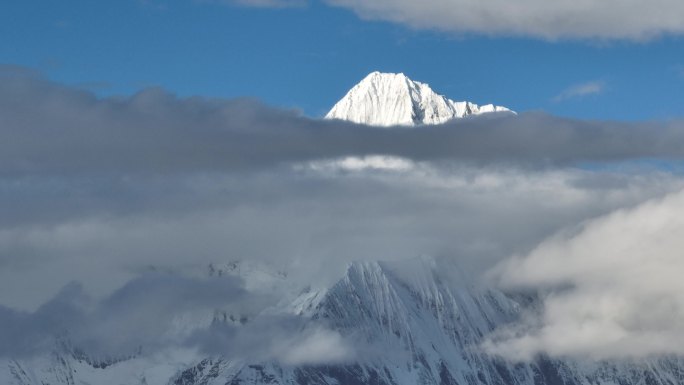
(103, 198)
(53, 130)
(618, 289)
(559, 19)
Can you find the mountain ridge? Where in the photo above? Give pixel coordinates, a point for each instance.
(392, 99)
(409, 323)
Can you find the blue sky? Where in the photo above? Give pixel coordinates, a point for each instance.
(306, 57)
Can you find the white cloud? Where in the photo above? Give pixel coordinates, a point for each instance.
(615, 288)
(357, 163)
(559, 19)
(314, 221)
(319, 346)
(580, 90)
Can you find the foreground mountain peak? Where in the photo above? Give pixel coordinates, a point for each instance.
(389, 99)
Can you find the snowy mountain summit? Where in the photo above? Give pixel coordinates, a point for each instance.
(388, 99)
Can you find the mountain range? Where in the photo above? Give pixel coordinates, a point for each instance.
(409, 322)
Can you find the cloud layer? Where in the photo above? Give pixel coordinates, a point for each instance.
(155, 133)
(550, 20)
(101, 191)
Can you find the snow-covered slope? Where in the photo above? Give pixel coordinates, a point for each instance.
(387, 99)
(411, 325)
(411, 322)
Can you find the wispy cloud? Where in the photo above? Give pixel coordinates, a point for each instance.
(581, 90)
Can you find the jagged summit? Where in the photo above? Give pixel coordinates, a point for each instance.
(389, 99)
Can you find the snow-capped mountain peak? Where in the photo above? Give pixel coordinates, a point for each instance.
(389, 99)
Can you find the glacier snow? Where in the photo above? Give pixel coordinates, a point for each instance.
(389, 99)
